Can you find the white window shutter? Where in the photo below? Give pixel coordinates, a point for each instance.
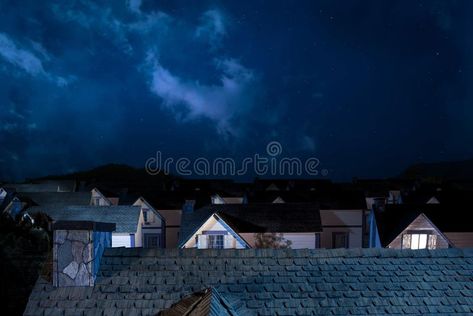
(202, 241)
(406, 241)
(432, 242)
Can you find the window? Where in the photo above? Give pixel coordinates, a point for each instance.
(145, 216)
(97, 201)
(419, 240)
(317, 241)
(340, 240)
(215, 241)
(152, 240)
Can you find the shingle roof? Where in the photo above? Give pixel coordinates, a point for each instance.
(59, 198)
(136, 281)
(125, 217)
(268, 217)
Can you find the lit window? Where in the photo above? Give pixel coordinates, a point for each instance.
(419, 241)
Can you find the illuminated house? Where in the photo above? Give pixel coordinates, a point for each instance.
(239, 226)
(427, 226)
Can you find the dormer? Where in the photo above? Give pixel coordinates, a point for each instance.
(217, 199)
(99, 199)
(149, 214)
(278, 200)
(433, 200)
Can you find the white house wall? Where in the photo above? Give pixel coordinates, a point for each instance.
(121, 240)
(153, 225)
(338, 221)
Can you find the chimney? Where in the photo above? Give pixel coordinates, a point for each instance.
(188, 206)
(78, 247)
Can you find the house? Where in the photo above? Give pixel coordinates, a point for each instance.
(343, 212)
(344, 216)
(152, 226)
(15, 205)
(225, 199)
(103, 197)
(170, 206)
(291, 184)
(424, 226)
(248, 225)
(126, 218)
(6, 196)
(140, 281)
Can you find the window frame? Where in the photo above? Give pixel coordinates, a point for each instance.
(347, 239)
(212, 244)
(410, 233)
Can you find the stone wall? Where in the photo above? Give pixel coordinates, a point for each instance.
(77, 249)
(72, 253)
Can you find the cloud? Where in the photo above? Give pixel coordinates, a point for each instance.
(212, 28)
(21, 58)
(134, 5)
(221, 103)
(26, 60)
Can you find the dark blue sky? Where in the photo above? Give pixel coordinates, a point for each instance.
(367, 87)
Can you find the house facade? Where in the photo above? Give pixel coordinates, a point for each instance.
(151, 231)
(427, 226)
(99, 199)
(126, 218)
(265, 225)
(342, 228)
(421, 233)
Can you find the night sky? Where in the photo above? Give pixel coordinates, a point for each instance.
(367, 87)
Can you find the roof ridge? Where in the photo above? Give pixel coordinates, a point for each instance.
(291, 253)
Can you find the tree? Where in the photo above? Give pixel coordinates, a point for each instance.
(271, 240)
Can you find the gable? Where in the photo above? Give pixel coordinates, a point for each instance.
(143, 204)
(272, 187)
(433, 200)
(421, 224)
(278, 200)
(98, 199)
(214, 224)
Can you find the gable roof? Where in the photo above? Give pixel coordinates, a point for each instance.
(125, 217)
(395, 218)
(271, 282)
(208, 302)
(256, 217)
